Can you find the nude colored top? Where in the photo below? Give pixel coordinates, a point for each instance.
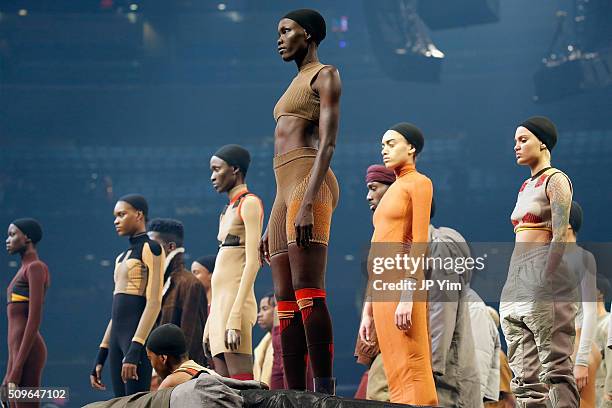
(300, 99)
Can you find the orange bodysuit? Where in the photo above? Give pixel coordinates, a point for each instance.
(402, 216)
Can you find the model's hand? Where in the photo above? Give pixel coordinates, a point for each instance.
(96, 380)
(264, 249)
(367, 332)
(232, 339)
(304, 221)
(581, 373)
(403, 315)
(129, 372)
(206, 345)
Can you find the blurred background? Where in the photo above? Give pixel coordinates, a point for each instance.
(99, 98)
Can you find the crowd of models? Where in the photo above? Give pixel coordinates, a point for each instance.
(418, 349)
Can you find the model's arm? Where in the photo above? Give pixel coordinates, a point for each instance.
(153, 257)
(251, 211)
(103, 350)
(420, 194)
(328, 86)
(559, 193)
(36, 275)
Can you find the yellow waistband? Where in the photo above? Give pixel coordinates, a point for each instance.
(519, 229)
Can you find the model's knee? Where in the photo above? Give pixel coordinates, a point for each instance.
(306, 298)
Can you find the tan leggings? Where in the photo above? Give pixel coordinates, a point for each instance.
(292, 173)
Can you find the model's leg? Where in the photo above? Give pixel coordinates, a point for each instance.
(33, 369)
(553, 325)
(221, 366)
(524, 361)
(115, 362)
(293, 339)
(240, 366)
(308, 272)
(406, 354)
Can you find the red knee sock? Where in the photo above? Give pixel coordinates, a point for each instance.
(293, 342)
(318, 329)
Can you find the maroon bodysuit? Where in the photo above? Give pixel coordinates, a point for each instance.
(27, 350)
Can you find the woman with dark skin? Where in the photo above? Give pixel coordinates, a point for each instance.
(295, 241)
(25, 295)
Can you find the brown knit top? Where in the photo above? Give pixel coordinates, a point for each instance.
(299, 99)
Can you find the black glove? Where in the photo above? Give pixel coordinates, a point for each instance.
(100, 359)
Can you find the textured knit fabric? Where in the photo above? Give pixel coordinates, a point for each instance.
(292, 172)
(300, 99)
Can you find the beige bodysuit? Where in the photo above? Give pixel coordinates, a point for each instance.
(233, 304)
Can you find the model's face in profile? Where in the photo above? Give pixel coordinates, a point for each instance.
(223, 176)
(127, 218)
(396, 151)
(16, 240)
(291, 39)
(158, 363)
(202, 273)
(527, 147)
(265, 317)
(376, 191)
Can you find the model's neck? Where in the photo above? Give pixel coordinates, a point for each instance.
(209, 296)
(29, 255)
(139, 236)
(404, 169)
(237, 190)
(309, 58)
(176, 366)
(539, 166)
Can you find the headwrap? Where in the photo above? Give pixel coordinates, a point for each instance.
(311, 21)
(235, 155)
(30, 227)
(207, 261)
(411, 133)
(575, 217)
(380, 174)
(543, 129)
(167, 339)
(137, 201)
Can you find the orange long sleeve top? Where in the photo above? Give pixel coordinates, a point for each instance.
(402, 216)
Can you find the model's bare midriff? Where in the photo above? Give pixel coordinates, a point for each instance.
(292, 132)
(531, 239)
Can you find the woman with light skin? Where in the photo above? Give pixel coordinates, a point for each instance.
(295, 241)
(233, 310)
(539, 326)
